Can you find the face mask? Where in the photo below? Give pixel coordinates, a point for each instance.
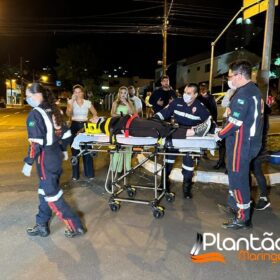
(187, 98)
(32, 102)
(230, 85)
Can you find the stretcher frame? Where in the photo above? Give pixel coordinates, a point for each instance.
(117, 186)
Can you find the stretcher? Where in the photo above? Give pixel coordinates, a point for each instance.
(154, 149)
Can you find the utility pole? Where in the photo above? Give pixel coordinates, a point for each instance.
(263, 81)
(213, 44)
(164, 35)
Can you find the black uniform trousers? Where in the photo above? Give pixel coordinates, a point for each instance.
(51, 199)
(240, 153)
(87, 159)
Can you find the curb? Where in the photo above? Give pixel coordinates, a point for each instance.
(203, 176)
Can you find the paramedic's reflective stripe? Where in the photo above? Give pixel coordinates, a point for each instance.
(41, 191)
(188, 167)
(253, 127)
(160, 116)
(186, 115)
(235, 121)
(231, 193)
(48, 124)
(36, 140)
(243, 206)
(66, 134)
(106, 126)
(170, 160)
(55, 197)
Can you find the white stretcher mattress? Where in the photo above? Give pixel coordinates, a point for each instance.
(191, 143)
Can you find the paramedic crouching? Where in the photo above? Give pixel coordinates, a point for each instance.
(187, 111)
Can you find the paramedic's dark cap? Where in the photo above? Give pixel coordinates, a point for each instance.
(164, 77)
(203, 85)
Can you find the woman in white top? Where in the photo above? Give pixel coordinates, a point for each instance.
(122, 106)
(78, 110)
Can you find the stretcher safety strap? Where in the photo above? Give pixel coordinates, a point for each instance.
(106, 127)
(128, 123)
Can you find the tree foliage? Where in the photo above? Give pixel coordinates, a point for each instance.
(77, 63)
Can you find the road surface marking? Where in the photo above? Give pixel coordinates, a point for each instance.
(17, 113)
(6, 116)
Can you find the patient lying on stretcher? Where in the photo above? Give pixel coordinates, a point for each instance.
(135, 126)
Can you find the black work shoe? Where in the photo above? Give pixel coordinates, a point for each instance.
(72, 233)
(220, 164)
(39, 230)
(237, 224)
(187, 190)
(262, 204)
(203, 128)
(227, 210)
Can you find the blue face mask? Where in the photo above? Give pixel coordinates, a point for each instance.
(32, 102)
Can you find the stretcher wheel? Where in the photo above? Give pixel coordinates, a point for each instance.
(74, 160)
(115, 206)
(158, 212)
(131, 192)
(170, 197)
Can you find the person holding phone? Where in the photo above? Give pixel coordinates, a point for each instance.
(122, 106)
(78, 110)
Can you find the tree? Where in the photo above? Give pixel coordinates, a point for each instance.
(77, 64)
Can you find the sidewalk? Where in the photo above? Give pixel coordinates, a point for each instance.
(204, 171)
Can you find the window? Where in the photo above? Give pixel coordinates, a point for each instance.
(189, 70)
(198, 68)
(207, 67)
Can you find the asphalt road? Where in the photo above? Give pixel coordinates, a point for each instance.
(128, 244)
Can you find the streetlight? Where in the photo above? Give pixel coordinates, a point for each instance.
(44, 78)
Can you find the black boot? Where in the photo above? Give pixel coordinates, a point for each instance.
(39, 230)
(220, 164)
(73, 233)
(237, 224)
(187, 187)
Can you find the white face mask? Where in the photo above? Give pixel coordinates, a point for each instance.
(230, 85)
(187, 98)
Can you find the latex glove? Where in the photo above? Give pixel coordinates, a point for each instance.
(217, 129)
(217, 138)
(26, 170)
(65, 155)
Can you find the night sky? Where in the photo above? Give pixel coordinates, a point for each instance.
(123, 32)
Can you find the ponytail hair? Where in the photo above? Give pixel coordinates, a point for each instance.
(48, 100)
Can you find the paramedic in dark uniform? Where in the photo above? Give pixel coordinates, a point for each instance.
(48, 138)
(243, 134)
(187, 111)
(163, 95)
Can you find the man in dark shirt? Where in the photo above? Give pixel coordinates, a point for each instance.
(243, 134)
(163, 95)
(208, 100)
